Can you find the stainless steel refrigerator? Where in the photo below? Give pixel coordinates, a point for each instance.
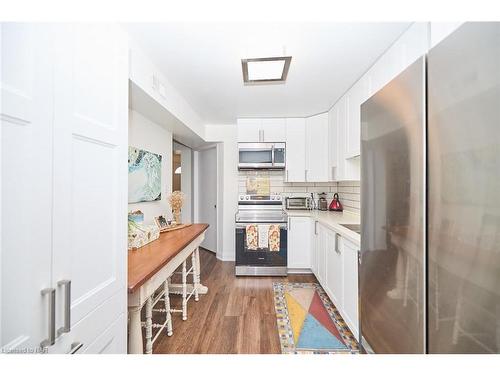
(429, 270)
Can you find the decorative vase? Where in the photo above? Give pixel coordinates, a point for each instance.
(177, 216)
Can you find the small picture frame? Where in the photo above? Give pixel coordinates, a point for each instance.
(161, 222)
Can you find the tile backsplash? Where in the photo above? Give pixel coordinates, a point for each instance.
(349, 191)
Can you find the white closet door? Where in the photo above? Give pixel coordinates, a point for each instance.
(26, 175)
(90, 165)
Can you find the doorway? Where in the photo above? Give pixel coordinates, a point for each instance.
(207, 195)
(182, 178)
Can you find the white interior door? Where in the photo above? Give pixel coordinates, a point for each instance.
(26, 175)
(207, 195)
(90, 165)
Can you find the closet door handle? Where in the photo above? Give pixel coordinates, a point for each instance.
(51, 293)
(67, 306)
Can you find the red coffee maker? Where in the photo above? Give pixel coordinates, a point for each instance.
(335, 205)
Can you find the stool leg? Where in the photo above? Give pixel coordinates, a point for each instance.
(168, 315)
(198, 269)
(195, 275)
(149, 325)
(184, 291)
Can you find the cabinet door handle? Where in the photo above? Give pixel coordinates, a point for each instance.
(287, 175)
(51, 292)
(67, 306)
(315, 227)
(305, 175)
(337, 248)
(76, 346)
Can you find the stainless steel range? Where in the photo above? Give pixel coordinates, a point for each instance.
(257, 210)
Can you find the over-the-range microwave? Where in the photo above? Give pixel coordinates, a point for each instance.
(264, 155)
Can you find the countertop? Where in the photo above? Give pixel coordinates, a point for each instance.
(144, 262)
(332, 220)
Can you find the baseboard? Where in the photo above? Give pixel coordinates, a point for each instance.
(299, 270)
(226, 258)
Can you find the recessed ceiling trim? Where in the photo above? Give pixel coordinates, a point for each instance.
(286, 66)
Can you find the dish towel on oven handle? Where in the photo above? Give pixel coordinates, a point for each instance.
(274, 237)
(251, 234)
(263, 236)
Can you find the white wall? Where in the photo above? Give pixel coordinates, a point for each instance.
(143, 72)
(147, 135)
(186, 181)
(227, 159)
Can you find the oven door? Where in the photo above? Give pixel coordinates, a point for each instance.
(262, 256)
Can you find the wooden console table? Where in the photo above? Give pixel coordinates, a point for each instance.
(151, 265)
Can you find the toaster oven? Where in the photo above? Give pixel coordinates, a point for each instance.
(298, 203)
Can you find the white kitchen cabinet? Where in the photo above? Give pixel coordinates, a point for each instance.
(335, 271)
(356, 95)
(350, 277)
(64, 124)
(261, 130)
(299, 243)
(340, 143)
(333, 120)
(315, 243)
(323, 234)
(295, 150)
(440, 30)
(317, 148)
(273, 130)
(249, 130)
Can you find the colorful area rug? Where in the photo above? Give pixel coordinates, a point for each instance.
(308, 322)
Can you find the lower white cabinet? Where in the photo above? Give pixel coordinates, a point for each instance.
(335, 272)
(323, 237)
(299, 243)
(314, 247)
(350, 284)
(334, 262)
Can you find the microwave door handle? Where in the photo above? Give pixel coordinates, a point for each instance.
(272, 155)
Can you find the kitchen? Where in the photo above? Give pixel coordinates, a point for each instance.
(282, 197)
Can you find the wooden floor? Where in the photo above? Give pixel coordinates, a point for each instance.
(236, 316)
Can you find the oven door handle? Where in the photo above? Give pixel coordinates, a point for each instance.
(244, 225)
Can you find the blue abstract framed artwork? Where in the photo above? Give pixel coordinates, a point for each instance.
(144, 176)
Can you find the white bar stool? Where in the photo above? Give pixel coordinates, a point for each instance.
(163, 295)
(194, 271)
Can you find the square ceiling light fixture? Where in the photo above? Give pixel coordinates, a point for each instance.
(265, 70)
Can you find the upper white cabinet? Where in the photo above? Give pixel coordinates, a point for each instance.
(355, 97)
(317, 148)
(412, 44)
(333, 120)
(273, 130)
(262, 130)
(295, 150)
(299, 243)
(249, 130)
(64, 125)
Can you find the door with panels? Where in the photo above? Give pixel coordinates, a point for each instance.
(90, 172)
(26, 172)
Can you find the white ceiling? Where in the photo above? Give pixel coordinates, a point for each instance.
(203, 61)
